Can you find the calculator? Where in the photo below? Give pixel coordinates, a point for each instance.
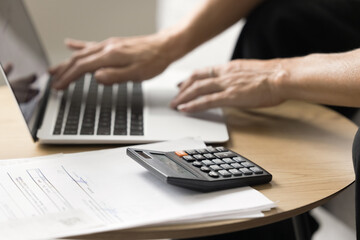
(206, 169)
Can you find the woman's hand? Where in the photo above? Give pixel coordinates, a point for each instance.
(114, 60)
(239, 83)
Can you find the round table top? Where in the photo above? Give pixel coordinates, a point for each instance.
(306, 147)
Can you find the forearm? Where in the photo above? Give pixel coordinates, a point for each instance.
(332, 79)
(203, 23)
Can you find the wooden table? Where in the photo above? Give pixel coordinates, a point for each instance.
(306, 147)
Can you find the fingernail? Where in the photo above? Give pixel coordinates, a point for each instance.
(181, 107)
(173, 104)
(179, 84)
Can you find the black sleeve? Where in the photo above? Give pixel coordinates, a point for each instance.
(356, 159)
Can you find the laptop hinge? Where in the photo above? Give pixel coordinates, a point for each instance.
(43, 104)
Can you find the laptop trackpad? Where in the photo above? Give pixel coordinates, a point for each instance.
(158, 103)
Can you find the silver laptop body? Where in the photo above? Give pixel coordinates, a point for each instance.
(88, 112)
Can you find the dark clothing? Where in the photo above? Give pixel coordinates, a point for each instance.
(289, 28)
(356, 159)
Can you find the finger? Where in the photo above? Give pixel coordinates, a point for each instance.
(198, 89)
(92, 49)
(179, 84)
(80, 67)
(203, 103)
(59, 70)
(204, 73)
(54, 69)
(75, 44)
(109, 76)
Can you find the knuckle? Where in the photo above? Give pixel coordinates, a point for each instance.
(196, 85)
(230, 94)
(195, 75)
(110, 48)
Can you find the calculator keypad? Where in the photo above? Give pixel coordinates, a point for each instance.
(220, 162)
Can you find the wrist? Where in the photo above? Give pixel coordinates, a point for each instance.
(174, 43)
(279, 82)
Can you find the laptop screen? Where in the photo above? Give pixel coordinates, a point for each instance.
(22, 59)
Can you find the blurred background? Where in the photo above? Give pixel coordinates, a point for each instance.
(97, 20)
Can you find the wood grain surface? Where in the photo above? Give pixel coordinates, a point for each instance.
(306, 147)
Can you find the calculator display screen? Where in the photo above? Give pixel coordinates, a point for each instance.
(172, 165)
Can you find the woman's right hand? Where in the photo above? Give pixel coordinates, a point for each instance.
(114, 60)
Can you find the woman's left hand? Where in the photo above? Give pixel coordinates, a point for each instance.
(239, 83)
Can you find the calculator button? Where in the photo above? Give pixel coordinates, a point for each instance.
(205, 169)
(224, 173)
(213, 174)
(209, 156)
(236, 165)
(228, 160)
(197, 164)
(211, 150)
(221, 149)
(202, 151)
(247, 164)
(218, 161)
(191, 152)
(199, 157)
(245, 171)
(207, 162)
(256, 170)
(235, 172)
(225, 154)
(226, 166)
(188, 158)
(181, 153)
(215, 167)
(238, 159)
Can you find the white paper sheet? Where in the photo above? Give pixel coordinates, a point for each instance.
(106, 190)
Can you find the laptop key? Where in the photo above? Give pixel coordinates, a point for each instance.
(120, 132)
(72, 122)
(137, 104)
(87, 131)
(61, 113)
(104, 125)
(120, 124)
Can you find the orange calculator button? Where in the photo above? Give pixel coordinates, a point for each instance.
(181, 153)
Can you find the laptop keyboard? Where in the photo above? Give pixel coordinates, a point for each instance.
(104, 115)
(88, 122)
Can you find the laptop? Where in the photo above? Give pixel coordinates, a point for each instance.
(88, 112)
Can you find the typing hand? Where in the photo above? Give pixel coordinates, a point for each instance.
(113, 60)
(239, 83)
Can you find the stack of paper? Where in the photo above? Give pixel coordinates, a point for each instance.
(73, 194)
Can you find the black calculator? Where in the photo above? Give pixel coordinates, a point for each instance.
(206, 169)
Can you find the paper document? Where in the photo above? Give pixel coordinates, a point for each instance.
(82, 193)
